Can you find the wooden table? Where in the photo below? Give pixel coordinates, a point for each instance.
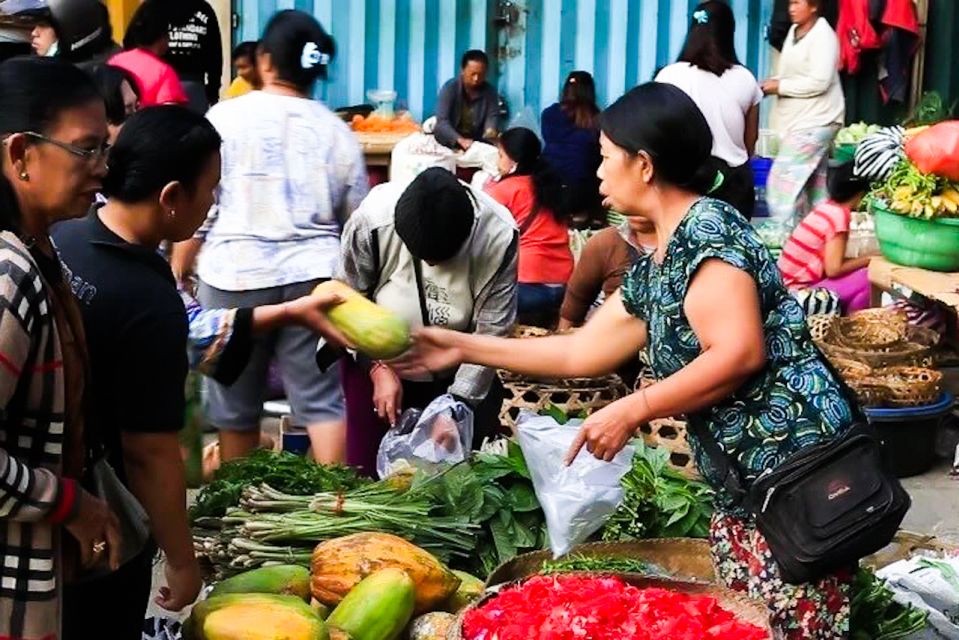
(910, 283)
(377, 147)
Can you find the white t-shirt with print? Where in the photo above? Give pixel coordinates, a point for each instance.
(292, 172)
(724, 100)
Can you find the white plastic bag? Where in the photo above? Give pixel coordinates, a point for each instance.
(934, 589)
(578, 499)
(441, 434)
(416, 153)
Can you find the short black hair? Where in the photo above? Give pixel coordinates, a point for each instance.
(474, 55)
(109, 79)
(245, 50)
(843, 184)
(300, 49)
(157, 146)
(710, 43)
(150, 23)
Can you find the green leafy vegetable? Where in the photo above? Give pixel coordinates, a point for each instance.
(560, 416)
(659, 502)
(610, 564)
(855, 133)
(874, 615)
(283, 471)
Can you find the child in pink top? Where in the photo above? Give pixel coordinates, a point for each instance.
(145, 43)
(815, 254)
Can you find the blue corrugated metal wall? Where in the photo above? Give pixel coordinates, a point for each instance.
(413, 46)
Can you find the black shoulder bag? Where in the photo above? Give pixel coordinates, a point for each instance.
(825, 507)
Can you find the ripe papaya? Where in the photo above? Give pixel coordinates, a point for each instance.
(254, 616)
(287, 579)
(470, 590)
(374, 330)
(340, 564)
(378, 608)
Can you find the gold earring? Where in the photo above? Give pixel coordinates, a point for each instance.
(24, 176)
(172, 214)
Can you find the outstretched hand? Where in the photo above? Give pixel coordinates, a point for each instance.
(606, 432)
(433, 350)
(311, 311)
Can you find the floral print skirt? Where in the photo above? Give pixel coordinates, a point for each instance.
(815, 611)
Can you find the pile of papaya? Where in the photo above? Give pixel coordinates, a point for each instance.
(367, 586)
(375, 123)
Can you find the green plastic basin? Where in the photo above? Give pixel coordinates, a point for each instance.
(844, 152)
(915, 242)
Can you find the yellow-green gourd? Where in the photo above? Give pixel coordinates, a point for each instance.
(373, 330)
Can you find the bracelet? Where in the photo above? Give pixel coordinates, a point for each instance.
(379, 364)
(649, 410)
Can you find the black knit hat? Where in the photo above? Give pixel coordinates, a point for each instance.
(434, 216)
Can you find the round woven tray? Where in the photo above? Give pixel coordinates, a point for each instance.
(909, 386)
(683, 558)
(746, 609)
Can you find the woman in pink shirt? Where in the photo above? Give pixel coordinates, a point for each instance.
(815, 254)
(144, 45)
(534, 194)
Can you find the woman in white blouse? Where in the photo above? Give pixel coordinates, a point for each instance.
(727, 93)
(810, 111)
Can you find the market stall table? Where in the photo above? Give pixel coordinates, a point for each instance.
(377, 148)
(909, 282)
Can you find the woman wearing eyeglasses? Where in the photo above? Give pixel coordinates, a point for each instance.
(53, 130)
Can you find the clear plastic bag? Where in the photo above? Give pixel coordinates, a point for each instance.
(576, 499)
(439, 435)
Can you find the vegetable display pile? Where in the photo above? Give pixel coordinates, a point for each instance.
(910, 192)
(876, 616)
(601, 608)
(659, 502)
(284, 471)
(375, 123)
(277, 527)
(571, 563)
(495, 493)
(855, 133)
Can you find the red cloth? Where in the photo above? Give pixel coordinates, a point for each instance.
(544, 254)
(901, 14)
(157, 81)
(855, 33)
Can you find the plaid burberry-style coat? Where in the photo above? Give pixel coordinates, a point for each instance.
(34, 498)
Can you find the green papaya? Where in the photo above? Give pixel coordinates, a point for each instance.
(254, 616)
(374, 330)
(378, 608)
(287, 579)
(470, 590)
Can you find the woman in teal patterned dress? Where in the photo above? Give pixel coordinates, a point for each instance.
(727, 343)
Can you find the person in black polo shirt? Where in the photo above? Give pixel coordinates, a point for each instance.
(164, 169)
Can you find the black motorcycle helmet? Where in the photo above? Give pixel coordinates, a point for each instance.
(83, 26)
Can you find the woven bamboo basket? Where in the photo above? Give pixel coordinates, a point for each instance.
(870, 342)
(746, 609)
(571, 395)
(682, 558)
(910, 386)
(670, 434)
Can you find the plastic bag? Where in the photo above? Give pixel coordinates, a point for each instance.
(929, 584)
(417, 152)
(936, 150)
(441, 434)
(576, 499)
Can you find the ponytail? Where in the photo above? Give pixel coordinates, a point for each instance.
(9, 207)
(524, 148)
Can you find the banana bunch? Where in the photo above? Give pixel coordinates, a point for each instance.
(910, 192)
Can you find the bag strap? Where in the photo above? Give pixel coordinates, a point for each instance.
(418, 273)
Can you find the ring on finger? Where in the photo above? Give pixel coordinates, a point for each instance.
(99, 546)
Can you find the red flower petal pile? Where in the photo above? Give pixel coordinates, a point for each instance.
(569, 607)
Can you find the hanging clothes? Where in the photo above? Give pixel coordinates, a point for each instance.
(900, 41)
(856, 33)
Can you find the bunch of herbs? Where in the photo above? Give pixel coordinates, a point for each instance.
(659, 502)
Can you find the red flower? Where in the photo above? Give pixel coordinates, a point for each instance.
(589, 608)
